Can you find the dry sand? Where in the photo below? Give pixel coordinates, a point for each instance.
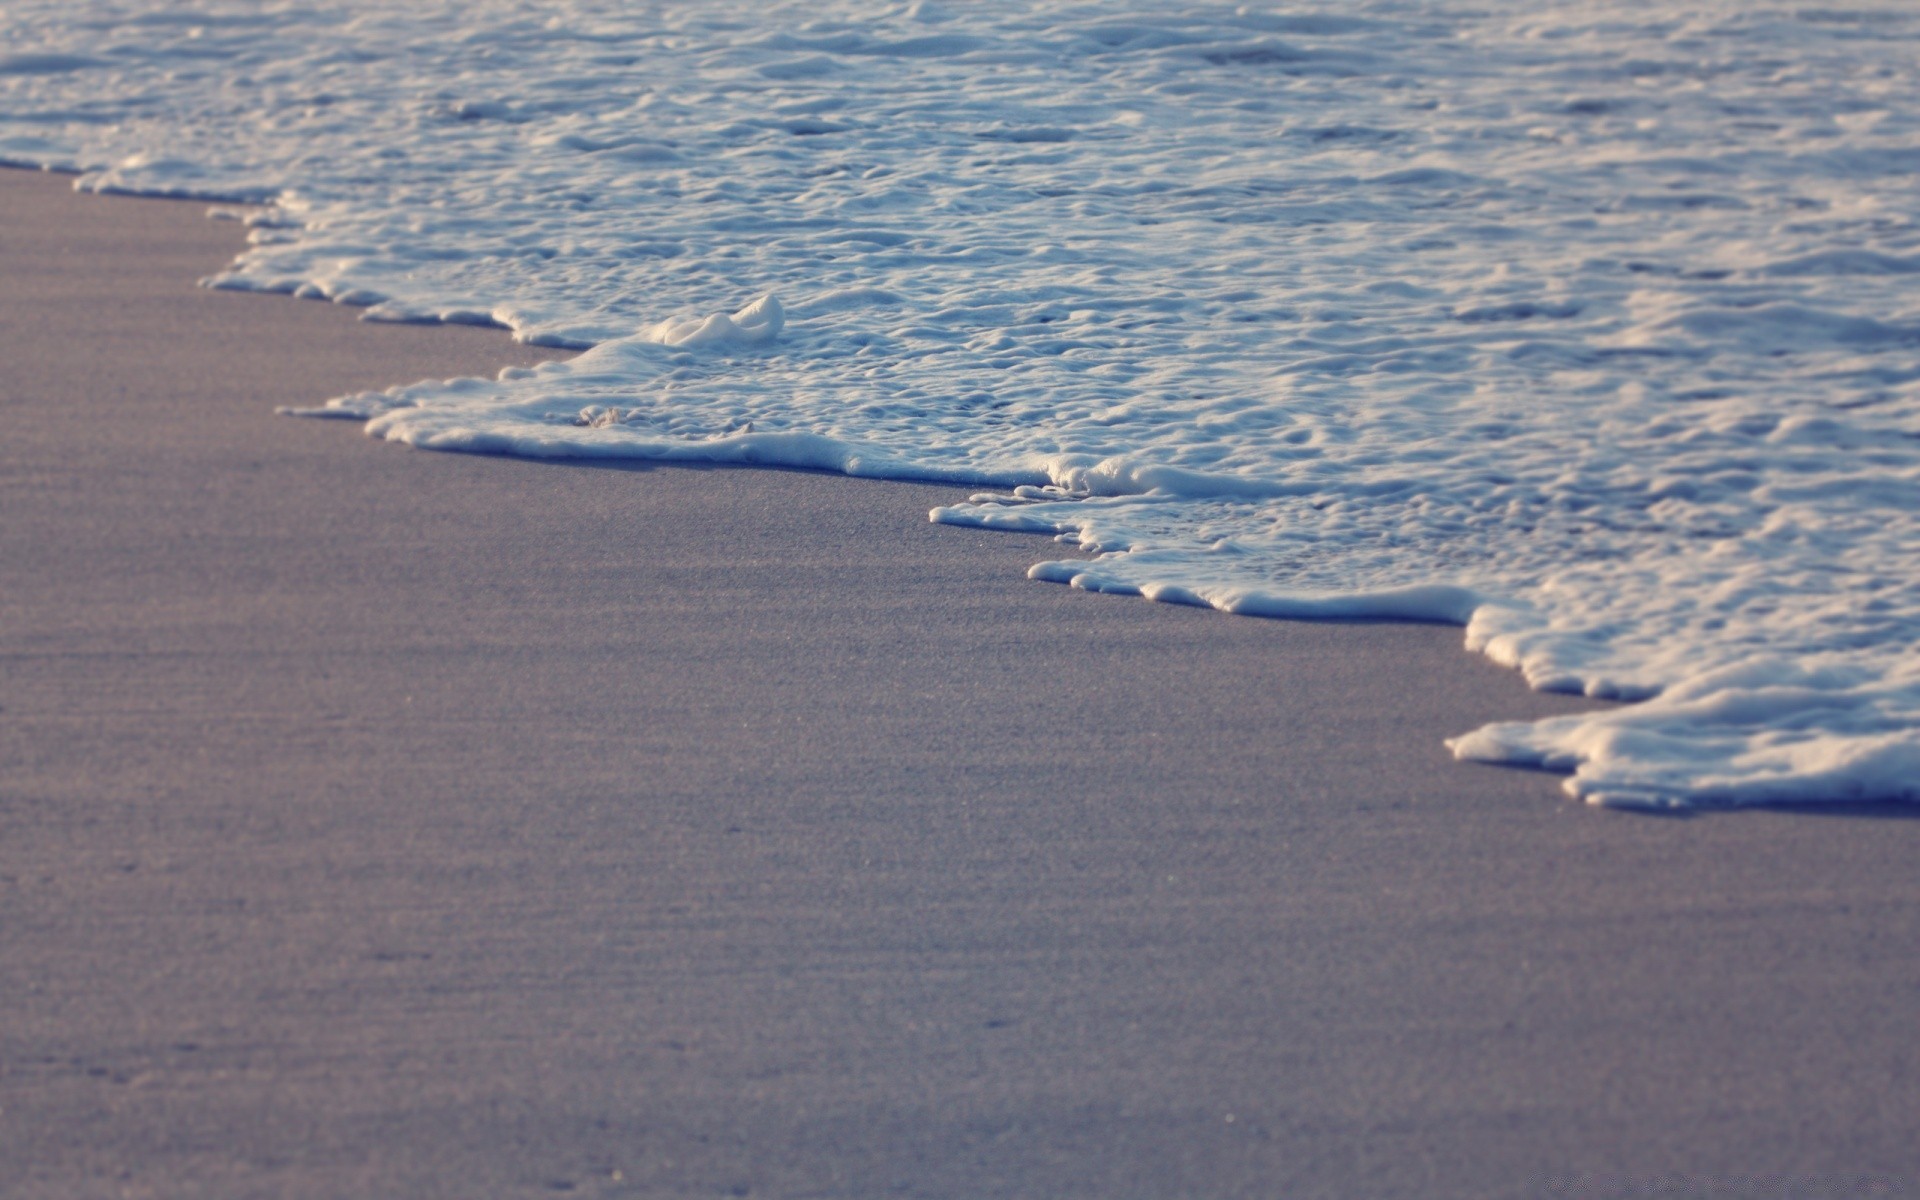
(383, 823)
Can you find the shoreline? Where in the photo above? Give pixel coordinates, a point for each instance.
(395, 822)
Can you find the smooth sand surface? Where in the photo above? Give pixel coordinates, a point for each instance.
(377, 823)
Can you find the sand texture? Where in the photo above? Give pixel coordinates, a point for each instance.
(384, 823)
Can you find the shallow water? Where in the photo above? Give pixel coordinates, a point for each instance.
(1596, 331)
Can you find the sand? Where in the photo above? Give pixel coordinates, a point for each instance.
(383, 823)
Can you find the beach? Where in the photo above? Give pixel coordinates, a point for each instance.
(381, 822)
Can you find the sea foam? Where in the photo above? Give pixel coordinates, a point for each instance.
(1594, 330)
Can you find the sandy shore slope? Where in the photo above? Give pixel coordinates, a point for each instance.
(380, 823)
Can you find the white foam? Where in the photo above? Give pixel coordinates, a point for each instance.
(755, 325)
(1594, 329)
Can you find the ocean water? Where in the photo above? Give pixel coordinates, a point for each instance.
(1594, 328)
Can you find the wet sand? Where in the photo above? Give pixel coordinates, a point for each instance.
(377, 822)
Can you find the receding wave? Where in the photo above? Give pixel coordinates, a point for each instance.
(1589, 328)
